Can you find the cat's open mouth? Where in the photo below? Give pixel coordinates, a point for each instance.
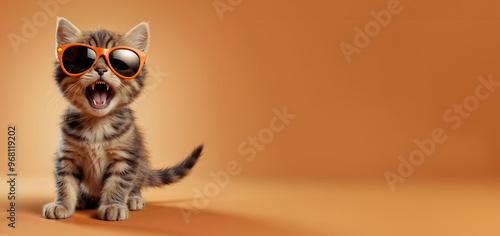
(99, 94)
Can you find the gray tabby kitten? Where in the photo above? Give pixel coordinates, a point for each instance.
(101, 160)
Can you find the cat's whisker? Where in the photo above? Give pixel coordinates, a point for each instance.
(70, 92)
(56, 99)
(127, 91)
(130, 93)
(144, 107)
(50, 91)
(53, 99)
(52, 105)
(72, 87)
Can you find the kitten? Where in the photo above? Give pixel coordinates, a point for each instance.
(101, 160)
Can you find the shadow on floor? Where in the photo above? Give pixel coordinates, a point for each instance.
(157, 218)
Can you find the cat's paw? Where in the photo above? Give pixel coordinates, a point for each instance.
(55, 211)
(135, 203)
(112, 212)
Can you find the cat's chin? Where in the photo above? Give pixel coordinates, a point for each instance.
(98, 112)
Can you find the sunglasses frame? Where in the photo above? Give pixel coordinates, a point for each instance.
(101, 52)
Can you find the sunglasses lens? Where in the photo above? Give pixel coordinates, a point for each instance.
(78, 59)
(125, 62)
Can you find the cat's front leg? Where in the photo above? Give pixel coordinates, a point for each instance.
(118, 180)
(68, 178)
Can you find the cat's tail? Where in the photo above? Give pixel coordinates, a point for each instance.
(157, 178)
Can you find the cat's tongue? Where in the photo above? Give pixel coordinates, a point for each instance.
(99, 95)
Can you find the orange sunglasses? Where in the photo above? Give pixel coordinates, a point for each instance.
(77, 59)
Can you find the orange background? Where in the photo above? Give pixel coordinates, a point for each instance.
(226, 77)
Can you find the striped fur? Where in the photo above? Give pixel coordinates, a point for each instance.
(101, 161)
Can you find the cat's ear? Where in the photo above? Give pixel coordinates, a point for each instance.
(65, 31)
(139, 36)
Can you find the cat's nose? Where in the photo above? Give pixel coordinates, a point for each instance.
(101, 70)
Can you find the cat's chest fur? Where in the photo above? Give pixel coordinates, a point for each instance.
(94, 164)
(98, 143)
